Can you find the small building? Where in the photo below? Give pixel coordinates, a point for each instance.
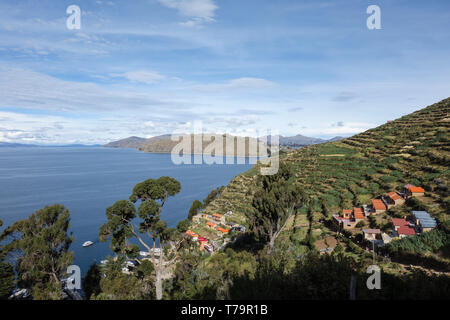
(358, 214)
(349, 218)
(413, 191)
(394, 199)
(398, 223)
(378, 206)
(218, 217)
(372, 234)
(211, 225)
(405, 231)
(385, 238)
(424, 220)
(223, 230)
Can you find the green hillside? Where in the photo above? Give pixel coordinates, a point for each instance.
(329, 177)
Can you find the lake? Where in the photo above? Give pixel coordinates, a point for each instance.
(88, 180)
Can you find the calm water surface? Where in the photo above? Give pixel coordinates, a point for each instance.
(88, 180)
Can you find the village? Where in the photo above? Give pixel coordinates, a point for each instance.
(416, 223)
(214, 231)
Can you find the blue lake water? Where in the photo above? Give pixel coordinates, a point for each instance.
(88, 180)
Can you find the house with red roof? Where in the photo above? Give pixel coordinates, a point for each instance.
(398, 223)
(405, 231)
(403, 227)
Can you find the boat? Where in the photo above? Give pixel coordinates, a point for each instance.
(144, 253)
(88, 243)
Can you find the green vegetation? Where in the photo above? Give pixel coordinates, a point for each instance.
(41, 243)
(152, 194)
(289, 221)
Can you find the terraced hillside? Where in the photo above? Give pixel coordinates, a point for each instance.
(414, 149)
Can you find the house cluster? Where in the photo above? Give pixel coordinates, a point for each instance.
(218, 223)
(423, 222)
(205, 243)
(420, 223)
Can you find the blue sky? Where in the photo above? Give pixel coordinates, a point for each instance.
(149, 67)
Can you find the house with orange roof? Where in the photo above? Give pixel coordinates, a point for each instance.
(378, 206)
(413, 191)
(358, 214)
(211, 225)
(349, 218)
(393, 199)
(218, 217)
(223, 230)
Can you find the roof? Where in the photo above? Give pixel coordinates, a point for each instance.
(217, 215)
(428, 223)
(400, 222)
(421, 214)
(347, 211)
(406, 230)
(378, 204)
(359, 214)
(394, 196)
(372, 231)
(385, 237)
(416, 189)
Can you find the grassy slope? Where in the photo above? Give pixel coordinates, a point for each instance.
(413, 149)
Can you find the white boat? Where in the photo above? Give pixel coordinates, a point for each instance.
(104, 262)
(144, 253)
(88, 243)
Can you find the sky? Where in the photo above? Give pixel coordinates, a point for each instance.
(151, 67)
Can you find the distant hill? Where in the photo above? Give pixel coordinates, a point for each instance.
(164, 144)
(131, 142)
(15, 145)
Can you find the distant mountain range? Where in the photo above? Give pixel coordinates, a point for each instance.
(164, 144)
(298, 141)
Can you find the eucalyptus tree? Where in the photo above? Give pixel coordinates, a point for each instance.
(120, 227)
(274, 203)
(40, 245)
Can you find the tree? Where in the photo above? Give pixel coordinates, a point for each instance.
(274, 203)
(91, 281)
(195, 208)
(152, 194)
(6, 274)
(42, 242)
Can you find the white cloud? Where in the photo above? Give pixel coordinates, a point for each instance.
(20, 88)
(198, 11)
(148, 77)
(240, 83)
